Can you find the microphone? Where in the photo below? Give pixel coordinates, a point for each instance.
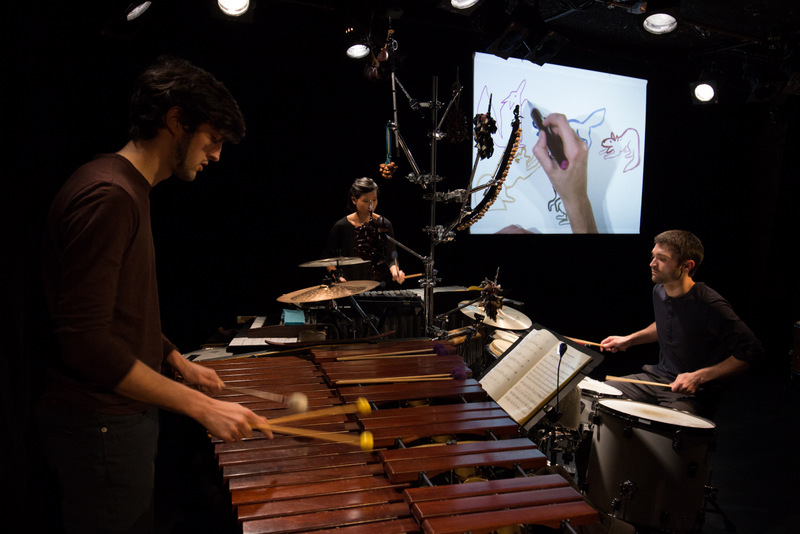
(555, 414)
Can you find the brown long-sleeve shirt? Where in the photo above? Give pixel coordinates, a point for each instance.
(100, 284)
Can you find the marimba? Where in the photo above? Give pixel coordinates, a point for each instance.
(445, 457)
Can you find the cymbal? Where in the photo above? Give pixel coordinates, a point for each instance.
(328, 292)
(334, 262)
(507, 318)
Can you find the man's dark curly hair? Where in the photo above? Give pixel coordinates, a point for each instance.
(201, 97)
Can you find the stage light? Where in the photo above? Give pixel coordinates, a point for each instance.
(357, 45)
(704, 92)
(137, 10)
(660, 23)
(463, 4)
(234, 8)
(357, 51)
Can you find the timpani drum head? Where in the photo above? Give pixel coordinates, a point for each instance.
(648, 464)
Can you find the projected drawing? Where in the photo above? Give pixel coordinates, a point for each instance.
(585, 128)
(625, 145)
(524, 162)
(598, 105)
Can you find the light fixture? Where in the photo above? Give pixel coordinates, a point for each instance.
(463, 4)
(357, 46)
(660, 23)
(234, 8)
(704, 92)
(357, 51)
(136, 10)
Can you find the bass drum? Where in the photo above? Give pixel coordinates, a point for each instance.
(648, 464)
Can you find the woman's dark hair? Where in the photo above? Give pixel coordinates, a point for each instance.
(361, 186)
(201, 97)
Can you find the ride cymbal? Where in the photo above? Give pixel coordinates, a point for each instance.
(334, 262)
(328, 292)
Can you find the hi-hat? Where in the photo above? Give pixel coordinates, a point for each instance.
(328, 292)
(334, 262)
(507, 318)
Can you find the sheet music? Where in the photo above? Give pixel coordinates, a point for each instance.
(258, 341)
(516, 362)
(525, 379)
(243, 341)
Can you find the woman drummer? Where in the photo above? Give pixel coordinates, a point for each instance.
(362, 234)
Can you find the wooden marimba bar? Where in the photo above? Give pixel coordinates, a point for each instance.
(432, 426)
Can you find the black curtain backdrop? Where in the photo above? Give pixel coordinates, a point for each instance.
(229, 243)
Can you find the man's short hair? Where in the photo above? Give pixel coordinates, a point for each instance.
(684, 245)
(201, 97)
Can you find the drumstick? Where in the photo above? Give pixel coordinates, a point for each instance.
(634, 381)
(297, 402)
(415, 275)
(583, 341)
(364, 440)
(361, 406)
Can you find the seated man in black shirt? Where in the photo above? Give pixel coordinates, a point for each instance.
(701, 339)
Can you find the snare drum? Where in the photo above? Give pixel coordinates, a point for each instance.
(591, 392)
(649, 465)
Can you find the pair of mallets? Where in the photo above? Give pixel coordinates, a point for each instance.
(298, 403)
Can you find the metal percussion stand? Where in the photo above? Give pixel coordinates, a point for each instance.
(437, 234)
(710, 497)
(331, 281)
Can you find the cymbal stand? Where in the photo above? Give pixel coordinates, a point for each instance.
(478, 317)
(368, 320)
(350, 322)
(330, 281)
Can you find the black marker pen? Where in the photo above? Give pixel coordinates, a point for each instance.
(554, 144)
